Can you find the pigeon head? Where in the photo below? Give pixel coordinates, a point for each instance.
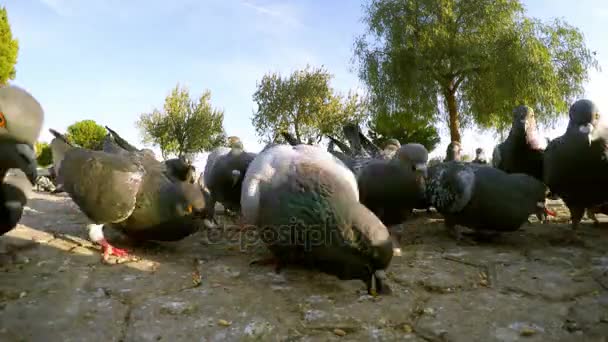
(584, 116)
(414, 157)
(363, 220)
(523, 116)
(453, 151)
(192, 201)
(21, 119)
(392, 143)
(391, 146)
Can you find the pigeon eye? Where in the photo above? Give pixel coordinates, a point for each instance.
(2, 120)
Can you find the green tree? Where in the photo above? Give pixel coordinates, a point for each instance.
(472, 61)
(403, 127)
(304, 105)
(185, 126)
(44, 154)
(86, 134)
(9, 49)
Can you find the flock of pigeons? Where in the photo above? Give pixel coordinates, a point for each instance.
(322, 208)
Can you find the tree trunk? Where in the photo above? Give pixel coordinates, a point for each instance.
(453, 120)
(296, 129)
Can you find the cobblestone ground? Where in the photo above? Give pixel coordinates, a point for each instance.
(531, 285)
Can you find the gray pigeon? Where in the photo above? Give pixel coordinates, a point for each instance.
(521, 151)
(483, 198)
(392, 188)
(360, 151)
(304, 203)
(390, 149)
(576, 163)
(480, 157)
(21, 119)
(129, 192)
(453, 151)
(178, 168)
(224, 175)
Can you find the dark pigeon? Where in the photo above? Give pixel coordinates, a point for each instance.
(178, 168)
(309, 201)
(290, 139)
(361, 150)
(181, 169)
(116, 142)
(21, 119)
(480, 157)
(453, 151)
(391, 189)
(223, 178)
(483, 198)
(576, 163)
(521, 151)
(129, 192)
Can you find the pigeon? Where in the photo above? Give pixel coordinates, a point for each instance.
(179, 168)
(304, 203)
(129, 192)
(224, 175)
(21, 120)
(392, 188)
(390, 149)
(521, 152)
(453, 151)
(115, 141)
(480, 157)
(482, 198)
(290, 139)
(361, 151)
(575, 164)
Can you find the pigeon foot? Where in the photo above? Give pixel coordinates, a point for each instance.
(109, 250)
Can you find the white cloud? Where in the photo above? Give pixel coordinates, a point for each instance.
(62, 8)
(284, 13)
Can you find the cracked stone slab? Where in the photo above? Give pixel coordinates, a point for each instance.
(552, 281)
(207, 314)
(192, 291)
(58, 309)
(589, 317)
(365, 315)
(435, 273)
(489, 316)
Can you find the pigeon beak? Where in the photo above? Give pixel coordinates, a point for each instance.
(20, 156)
(586, 129)
(421, 167)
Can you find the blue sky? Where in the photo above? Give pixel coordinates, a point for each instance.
(110, 60)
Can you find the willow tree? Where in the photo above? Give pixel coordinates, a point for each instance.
(469, 61)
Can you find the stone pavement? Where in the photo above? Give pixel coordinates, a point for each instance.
(526, 286)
